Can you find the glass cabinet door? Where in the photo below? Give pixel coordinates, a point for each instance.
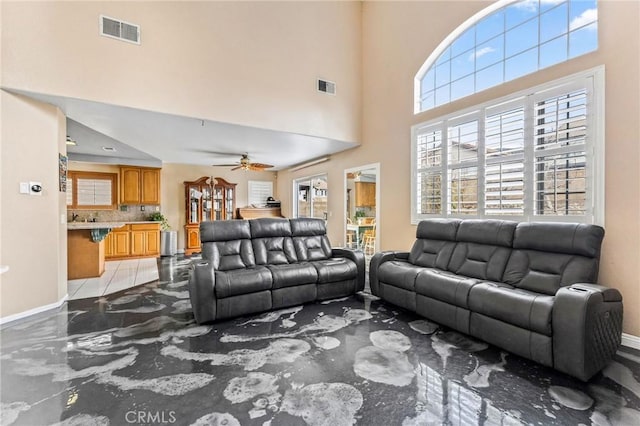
(218, 203)
(229, 203)
(194, 204)
(206, 203)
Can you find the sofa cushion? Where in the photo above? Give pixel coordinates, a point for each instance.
(487, 231)
(312, 248)
(431, 253)
(483, 249)
(271, 240)
(547, 272)
(310, 239)
(224, 230)
(435, 241)
(438, 229)
(336, 269)
(523, 308)
(481, 261)
(270, 227)
(226, 244)
(227, 255)
(399, 274)
(570, 238)
(293, 274)
(548, 256)
(445, 286)
(242, 281)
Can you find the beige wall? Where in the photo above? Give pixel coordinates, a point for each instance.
(251, 63)
(238, 62)
(397, 39)
(33, 238)
(173, 177)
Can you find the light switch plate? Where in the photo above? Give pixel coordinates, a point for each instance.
(24, 187)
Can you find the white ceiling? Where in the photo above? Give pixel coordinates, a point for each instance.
(151, 138)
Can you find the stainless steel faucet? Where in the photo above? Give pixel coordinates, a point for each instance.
(74, 216)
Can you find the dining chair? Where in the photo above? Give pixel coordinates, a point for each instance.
(352, 238)
(369, 240)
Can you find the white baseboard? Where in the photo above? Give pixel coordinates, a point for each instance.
(20, 315)
(630, 341)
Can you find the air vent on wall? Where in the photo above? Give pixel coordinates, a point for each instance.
(115, 28)
(327, 87)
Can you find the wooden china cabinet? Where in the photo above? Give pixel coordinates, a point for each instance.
(206, 200)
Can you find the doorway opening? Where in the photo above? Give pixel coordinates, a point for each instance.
(362, 213)
(310, 195)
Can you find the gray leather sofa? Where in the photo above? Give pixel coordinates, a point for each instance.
(525, 287)
(251, 266)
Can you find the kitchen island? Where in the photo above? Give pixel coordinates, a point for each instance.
(85, 248)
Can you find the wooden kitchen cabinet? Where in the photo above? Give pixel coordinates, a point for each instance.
(365, 194)
(139, 185)
(108, 245)
(138, 243)
(145, 239)
(116, 243)
(133, 240)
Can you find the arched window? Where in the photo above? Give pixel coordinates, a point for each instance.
(507, 40)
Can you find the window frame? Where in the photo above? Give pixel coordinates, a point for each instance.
(255, 188)
(75, 175)
(594, 149)
(442, 54)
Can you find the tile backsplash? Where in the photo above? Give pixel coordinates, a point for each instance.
(132, 214)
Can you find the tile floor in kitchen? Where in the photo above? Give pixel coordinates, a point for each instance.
(118, 275)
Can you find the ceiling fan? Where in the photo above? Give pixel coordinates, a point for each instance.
(246, 164)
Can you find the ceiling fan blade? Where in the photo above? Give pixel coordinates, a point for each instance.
(261, 165)
(236, 168)
(225, 165)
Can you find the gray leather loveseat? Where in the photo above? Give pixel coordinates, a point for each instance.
(256, 265)
(525, 287)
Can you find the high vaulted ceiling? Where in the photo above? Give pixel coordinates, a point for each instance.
(151, 138)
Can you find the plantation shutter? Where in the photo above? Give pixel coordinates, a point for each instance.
(561, 163)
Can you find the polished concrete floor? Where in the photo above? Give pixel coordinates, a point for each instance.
(136, 357)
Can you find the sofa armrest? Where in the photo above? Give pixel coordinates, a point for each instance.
(202, 283)
(377, 260)
(587, 328)
(358, 258)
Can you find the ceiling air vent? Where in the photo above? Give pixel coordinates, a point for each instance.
(115, 28)
(327, 87)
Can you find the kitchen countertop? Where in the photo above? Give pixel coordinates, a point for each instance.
(97, 225)
(144, 221)
(94, 225)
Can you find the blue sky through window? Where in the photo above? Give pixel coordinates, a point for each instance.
(516, 40)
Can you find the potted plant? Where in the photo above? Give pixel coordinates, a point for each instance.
(159, 217)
